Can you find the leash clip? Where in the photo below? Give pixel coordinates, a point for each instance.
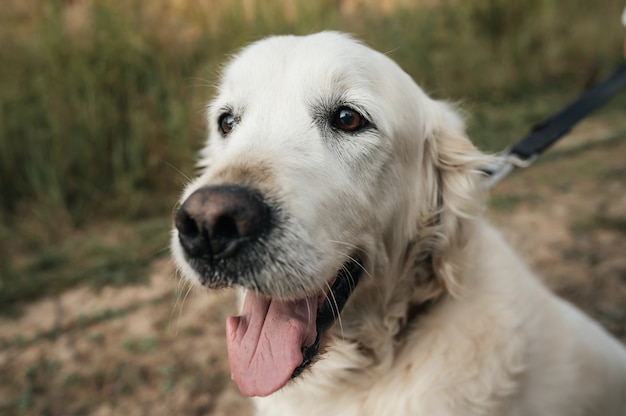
(504, 164)
(519, 162)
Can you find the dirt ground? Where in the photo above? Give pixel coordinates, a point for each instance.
(159, 348)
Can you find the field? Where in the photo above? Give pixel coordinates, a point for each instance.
(101, 114)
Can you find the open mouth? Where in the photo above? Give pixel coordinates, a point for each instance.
(274, 340)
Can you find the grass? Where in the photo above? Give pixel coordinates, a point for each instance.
(99, 115)
(601, 221)
(110, 253)
(96, 122)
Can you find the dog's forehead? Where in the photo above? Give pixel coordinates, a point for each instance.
(326, 58)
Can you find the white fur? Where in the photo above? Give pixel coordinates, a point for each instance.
(492, 340)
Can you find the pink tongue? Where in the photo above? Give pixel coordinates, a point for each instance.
(264, 343)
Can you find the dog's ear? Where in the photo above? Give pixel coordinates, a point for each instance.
(451, 194)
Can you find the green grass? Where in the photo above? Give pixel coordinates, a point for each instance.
(96, 127)
(110, 254)
(601, 221)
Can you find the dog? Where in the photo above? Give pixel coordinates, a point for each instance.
(347, 207)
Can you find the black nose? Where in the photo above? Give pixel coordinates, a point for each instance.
(217, 220)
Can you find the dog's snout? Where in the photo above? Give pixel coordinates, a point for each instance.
(215, 221)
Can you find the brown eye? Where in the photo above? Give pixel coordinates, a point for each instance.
(226, 122)
(347, 119)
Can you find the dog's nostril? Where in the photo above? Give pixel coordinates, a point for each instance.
(189, 233)
(186, 225)
(226, 228)
(215, 221)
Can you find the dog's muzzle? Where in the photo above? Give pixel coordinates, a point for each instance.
(223, 231)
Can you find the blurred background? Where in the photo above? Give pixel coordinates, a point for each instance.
(101, 115)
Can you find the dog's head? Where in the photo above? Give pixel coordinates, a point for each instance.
(323, 156)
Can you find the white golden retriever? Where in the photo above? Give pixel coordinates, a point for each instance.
(347, 204)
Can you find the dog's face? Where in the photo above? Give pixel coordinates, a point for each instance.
(316, 154)
(306, 124)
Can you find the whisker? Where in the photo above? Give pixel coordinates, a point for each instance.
(352, 246)
(180, 310)
(335, 310)
(361, 266)
(180, 301)
(179, 283)
(365, 271)
(389, 52)
(344, 243)
(201, 82)
(186, 177)
(160, 251)
(351, 258)
(308, 309)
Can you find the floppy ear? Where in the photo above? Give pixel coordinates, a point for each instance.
(451, 194)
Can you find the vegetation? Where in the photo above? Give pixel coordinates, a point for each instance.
(101, 113)
(101, 105)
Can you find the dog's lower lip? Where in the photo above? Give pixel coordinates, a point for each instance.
(341, 287)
